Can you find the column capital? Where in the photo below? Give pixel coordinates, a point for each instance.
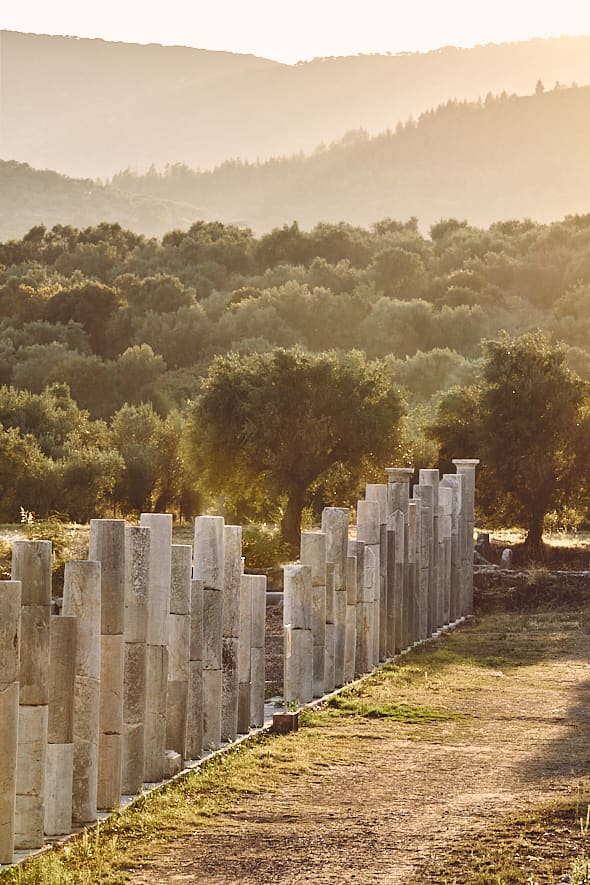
(399, 474)
(466, 462)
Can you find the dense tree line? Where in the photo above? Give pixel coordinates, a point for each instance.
(117, 339)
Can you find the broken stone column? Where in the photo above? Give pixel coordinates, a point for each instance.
(137, 577)
(179, 649)
(364, 623)
(10, 621)
(245, 655)
(466, 467)
(209, 567)
(231, 628)
(313, 554)
(430, 478)
(368, 530)
(413, 571)
(297, 623)
(351, 606)
(194, 725)
(157, 656)
(107, 546)
(424, 494)
(378, 492)
(445, 497)
(335, 526)
(59, 773)
(31, 565)
(398, 497)
(257, 674)
(82, 600)
(330, 658)
(454, 482)
(400, 579)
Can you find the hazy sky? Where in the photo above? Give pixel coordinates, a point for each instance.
(290, 30)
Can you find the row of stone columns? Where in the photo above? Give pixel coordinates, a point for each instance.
(158, 654)
(401, 576)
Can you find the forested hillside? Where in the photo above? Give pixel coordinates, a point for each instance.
(90, 108)
(129, 327)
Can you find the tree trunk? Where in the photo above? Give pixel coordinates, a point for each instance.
(291, 521)
(534, 547)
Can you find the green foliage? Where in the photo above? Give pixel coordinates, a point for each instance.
(263, 547)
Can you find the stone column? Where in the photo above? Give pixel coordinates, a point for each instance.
(137, 579)
(368, 529)
(454, 482)
(209, 567)
(107, 546)
(445, 496)
(10, 622)
(398, 497)
(413, 571)
(31, 565)
(466, 467)
(400, 579)
(430, 478)
(313, 554)
(82, 600)
(157, 657)
(297, 623)
(424, 494)
(179, 649)
(364, 609)
(257, 683)
(231, 629)
(245, 655)
(335, 525)
(378, 492)
(330, 656)
(351, 607)
(194, 726)
(59, 773)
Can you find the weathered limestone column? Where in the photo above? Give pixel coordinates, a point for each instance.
(398, 497)
(59, 773)
(351, 604)
(466, 467)
(313, 554)
(364, 609)
(232, 573)
(423, 495)
(107, 546)
(330, 658)
(430, 478)
(400, 579)
(82, 600)
(137, 582)
(413, 571)
(257, 684)
(245, 655)
(393, 606)
(179, 649)
(368, 530)
(209, 567)
(378, 492)
(454, 482)
(297, 623)
(194, 725)
(10, 620)
(445, 497)
(335, 525)
(157, 657)
(31, 565)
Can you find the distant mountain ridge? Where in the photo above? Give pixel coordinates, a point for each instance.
(90, 107)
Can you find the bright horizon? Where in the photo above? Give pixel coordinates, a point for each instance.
(291, 33)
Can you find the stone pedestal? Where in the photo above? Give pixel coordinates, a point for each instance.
(10, 610)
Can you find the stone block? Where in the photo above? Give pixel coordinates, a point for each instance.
(318, 615)
(179, 647)
(257, 685)
(211, 709)
(258, 610)
(62, 660)
(29, 821)
(34, 655)
(176, 716)
(313, 554)
(212, 628)
(208, 551)
(232, 572)
(180, 579)
(368, 523)
(194, 722)
(82, 601)
(363, 661)
(155, 712)
(112, 666)
(108, 795)
(330, 593)
(244, 708)
(107, 546)
(137, 582)
(319, 667)
(10, 618)
(172, 763)
(30, 776)
(31, 565)
(229, 692)
(350, 643)
(378, 492)
(58, 789)
(86, 730)
(298, 666)
(297, 605)
(197, 637)
(335, 525)
(245, 643)
(339, 635)
(160, 525)
(351, 580)
(132, 754)
(329, 677)
(9, 713)
(134, 683)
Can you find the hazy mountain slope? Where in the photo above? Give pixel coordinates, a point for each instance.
(89, 107)
(30, 197)
(510, 157)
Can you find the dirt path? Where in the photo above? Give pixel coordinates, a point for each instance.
(380, 799)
